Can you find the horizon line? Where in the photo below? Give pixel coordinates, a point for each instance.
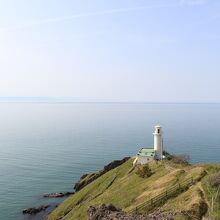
(54, 99)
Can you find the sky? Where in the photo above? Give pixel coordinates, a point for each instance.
(118, 50)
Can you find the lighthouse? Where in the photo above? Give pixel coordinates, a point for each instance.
(145, 155)
(158, 148)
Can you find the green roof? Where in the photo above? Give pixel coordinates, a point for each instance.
(146, 152)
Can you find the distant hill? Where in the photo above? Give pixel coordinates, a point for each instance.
(44, 99)
(27, 99)
(181, 191)
(54, 99)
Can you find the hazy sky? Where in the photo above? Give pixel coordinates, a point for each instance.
(112, 50)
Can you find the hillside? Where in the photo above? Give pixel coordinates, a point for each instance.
(183, 190)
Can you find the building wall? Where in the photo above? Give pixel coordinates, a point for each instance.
(144, 160)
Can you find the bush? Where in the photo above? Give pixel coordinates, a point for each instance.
(167, 155)
(144, 171)
(214, 180)
(181, 159)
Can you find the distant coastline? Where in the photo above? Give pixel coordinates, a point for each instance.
(47, 99)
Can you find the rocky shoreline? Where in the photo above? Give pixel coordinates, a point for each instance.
(43, 208)
(84, 180)
(35, 210)
(104, 211)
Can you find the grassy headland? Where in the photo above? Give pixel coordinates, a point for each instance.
(126, 190)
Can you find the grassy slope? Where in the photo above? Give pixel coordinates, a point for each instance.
(124, 189)
(192, 200)
(210, 192)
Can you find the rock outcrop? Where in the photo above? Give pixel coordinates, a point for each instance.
(57, 195)
(88, 178)
(109, 212)
(35, 210)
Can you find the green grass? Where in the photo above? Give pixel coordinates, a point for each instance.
(124, 189)
(214, 207)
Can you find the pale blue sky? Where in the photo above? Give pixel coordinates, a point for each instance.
(111, 50)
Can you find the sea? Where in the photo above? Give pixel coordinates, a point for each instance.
(46, 147)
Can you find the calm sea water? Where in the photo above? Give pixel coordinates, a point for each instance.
(47, 147)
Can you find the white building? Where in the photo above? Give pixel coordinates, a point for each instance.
(145, 155)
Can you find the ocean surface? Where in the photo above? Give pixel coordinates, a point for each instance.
(46, 147)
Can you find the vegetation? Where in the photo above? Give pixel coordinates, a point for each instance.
(123, 188)
(181, 159)
(212, 191)
(144, 171)
(167, 155)
(214, 180)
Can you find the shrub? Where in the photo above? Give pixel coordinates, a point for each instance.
(214, 180)
(181, 159)
(167, 155)
(144, 171)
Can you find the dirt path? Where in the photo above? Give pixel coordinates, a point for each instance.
(169, 168)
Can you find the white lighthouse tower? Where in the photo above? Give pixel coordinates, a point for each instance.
(145, 155)
(158, 148)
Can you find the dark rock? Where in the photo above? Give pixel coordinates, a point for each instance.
(58, 195)
(35, 210)
(111, 208)
(84, 176)
(109, 212)
(88, 178)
